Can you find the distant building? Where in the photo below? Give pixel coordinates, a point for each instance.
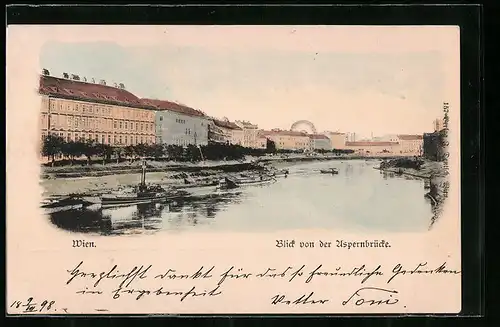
(387, 138)
(373, 147)
(337, 139)
(233, 134)
(216, 134)
(350, 137)
(261, 141)
(410, 144)
(178, 124)
(250, 133)
(438, 125)
(77, 110)
(288, 140)
(319, 142)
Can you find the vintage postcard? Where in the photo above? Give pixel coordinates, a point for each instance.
(233, 169)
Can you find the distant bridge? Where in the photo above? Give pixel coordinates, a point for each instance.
(304, 126)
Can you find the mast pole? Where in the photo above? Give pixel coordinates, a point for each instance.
(143, 174)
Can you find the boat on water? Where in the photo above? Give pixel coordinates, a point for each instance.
(195, 184)
(278, 173)
(144, 194)
(61, 204)
(197, 187)
(141, 194)
(235, 182)
(332, 171)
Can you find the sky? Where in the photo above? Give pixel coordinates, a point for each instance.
(363, 80)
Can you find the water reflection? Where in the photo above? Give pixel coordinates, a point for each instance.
(358, 197)
(144, 218)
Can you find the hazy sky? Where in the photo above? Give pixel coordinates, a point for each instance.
(351, 80)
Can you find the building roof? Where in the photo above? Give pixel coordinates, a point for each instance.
(334, 133)
(409, 137)
(318, 137)
(225, 124)
(246, 124)
(90, 92)
(284, 133)
(172, 106)
(370, 143)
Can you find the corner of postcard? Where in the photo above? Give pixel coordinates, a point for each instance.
(233, 170)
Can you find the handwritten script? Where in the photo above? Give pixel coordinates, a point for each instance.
(375, 283)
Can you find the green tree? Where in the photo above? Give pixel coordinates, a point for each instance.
(105, 151)
(174, 152)
(157, 150)
(118, 151)
(89, 149)
(75, 149)
(193, 153)
(140, 150)
(129, 151)
(270, 146)
(52, 146)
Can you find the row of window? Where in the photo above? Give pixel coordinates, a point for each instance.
(297, 144)
(57, 105)
(103, 138)
(181, 121)
(95, 123)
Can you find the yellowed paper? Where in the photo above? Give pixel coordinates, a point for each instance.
(339, 226)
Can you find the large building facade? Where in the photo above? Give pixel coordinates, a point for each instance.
(337, 139)
(288, 140)
(216, 134)
(77, 110)
(319, 142)
(410, 144)
(177, 124)
(233, 133)
(373, 148)
(250, 133)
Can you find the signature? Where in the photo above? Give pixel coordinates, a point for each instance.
(303, 299)
(358, 297)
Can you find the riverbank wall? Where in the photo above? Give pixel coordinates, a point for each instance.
(163, 166)
(434, 172)
(97, 179)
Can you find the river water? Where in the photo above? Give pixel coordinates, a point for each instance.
(358, 198)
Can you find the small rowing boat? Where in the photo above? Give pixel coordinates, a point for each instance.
(332, 171)
(278, 173)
